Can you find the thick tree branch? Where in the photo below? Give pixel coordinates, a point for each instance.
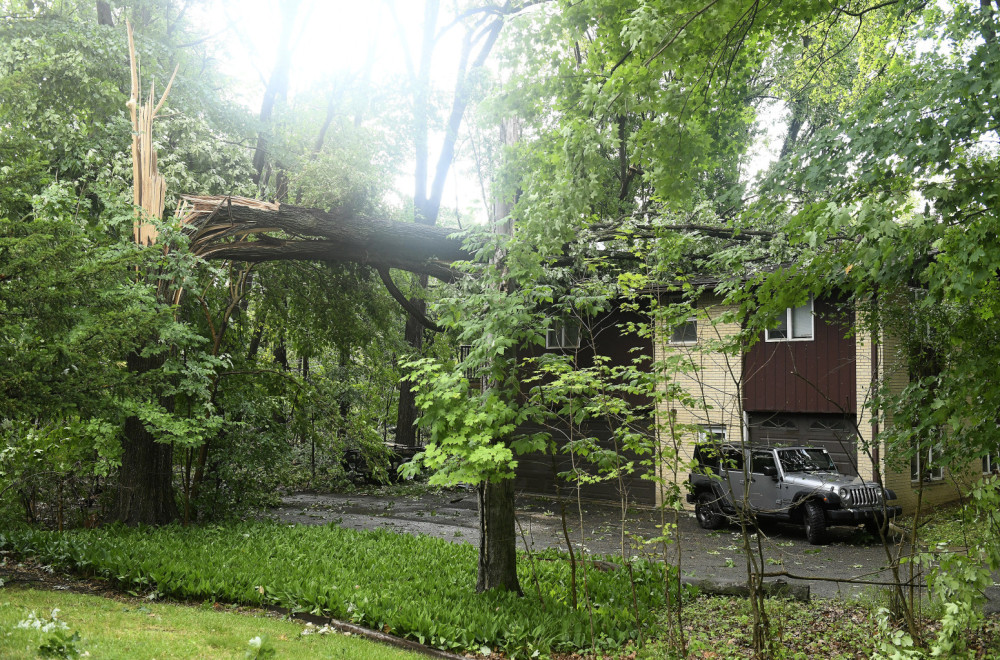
(862, 12)
(404, 302)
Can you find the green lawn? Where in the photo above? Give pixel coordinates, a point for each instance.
(135, 630)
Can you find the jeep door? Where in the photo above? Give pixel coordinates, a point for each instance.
(764, 489)
(732, 475)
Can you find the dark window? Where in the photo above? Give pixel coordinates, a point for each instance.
(563, 335)
(685, 333)
(778, 423)
(732, 459)
(761, 460)
(707, 458)
(806, 459)
(795, 324)
(926, 464)
(828, 425)
(471, 373)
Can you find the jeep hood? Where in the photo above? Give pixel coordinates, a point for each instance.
(824, 480)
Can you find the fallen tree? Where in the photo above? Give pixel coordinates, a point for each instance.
(250, 230)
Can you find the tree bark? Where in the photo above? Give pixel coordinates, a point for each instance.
(406, 409)
(238, 229)
(277, 88)
(145, 480)
(104, 16)
(497, 539)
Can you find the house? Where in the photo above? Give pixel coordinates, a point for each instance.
(807, 380)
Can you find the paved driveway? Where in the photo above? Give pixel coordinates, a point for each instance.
(598, 529)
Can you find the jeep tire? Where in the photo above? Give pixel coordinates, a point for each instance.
(814, 521)
(873, 526)
(706, 510)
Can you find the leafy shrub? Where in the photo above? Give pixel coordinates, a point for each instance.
(416, 587)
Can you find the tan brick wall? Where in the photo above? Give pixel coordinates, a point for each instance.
(713, 381)
(892, 369)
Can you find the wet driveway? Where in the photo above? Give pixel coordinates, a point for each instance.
(597, 528)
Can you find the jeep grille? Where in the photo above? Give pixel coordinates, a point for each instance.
(867, 496)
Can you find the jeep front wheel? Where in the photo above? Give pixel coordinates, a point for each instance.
(707, 512)
(815, 523)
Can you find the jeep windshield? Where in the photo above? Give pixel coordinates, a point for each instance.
(805, 460)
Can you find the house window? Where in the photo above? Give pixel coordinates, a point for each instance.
(712, 433)
(563, 335)
(685, 333)
(471, 373)
(926, 464)
(828, 425)
(796, 324)
(991, 464)
(778, 422)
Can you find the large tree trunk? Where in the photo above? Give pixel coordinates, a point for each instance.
(145, 480)
(406, 411)
(277, 88)
(497, 539)
(427, 201)
(104, 15)
(240, 229)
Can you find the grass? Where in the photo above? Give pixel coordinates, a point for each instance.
(135, 629)
(416, 587)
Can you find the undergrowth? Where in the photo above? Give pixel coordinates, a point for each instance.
(720, 628)
(416, 587)
(953, 525)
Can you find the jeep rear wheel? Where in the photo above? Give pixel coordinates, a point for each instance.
(707, 512)
(815, 523)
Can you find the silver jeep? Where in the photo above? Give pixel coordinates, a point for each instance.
(793, 484)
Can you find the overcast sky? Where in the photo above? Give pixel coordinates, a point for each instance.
(333, 38)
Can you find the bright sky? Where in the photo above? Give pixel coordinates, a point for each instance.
(333, 38)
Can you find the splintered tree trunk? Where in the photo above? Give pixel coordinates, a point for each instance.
(145, 479)
(497, 540)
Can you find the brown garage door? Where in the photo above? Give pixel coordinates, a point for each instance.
(835, 433)
(534, 473)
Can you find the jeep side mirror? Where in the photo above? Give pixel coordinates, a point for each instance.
(770, 471)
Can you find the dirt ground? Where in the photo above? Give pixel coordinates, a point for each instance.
(597, 529)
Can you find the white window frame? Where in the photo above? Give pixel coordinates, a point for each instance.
(933, 457)
(711, 432)
(673, 342)
(991, 462)
(790, 325)
(555, 335)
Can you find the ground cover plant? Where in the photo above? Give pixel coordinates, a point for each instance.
(132, 629)
(955, 525)
(718, 628)
(416, 587)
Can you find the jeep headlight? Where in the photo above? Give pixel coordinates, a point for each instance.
(847, 496)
